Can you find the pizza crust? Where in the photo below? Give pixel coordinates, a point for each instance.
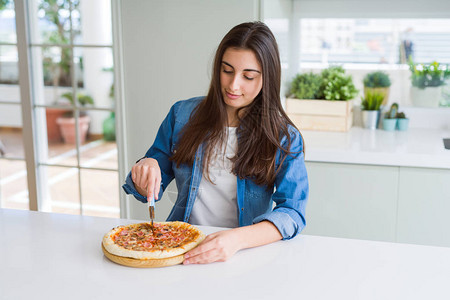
(113, 248)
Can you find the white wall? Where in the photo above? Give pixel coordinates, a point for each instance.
(168, 48)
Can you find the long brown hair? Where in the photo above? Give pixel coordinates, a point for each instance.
(261, 123)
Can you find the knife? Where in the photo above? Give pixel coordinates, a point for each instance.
(151, 209)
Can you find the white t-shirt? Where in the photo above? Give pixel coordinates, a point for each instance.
(216, 202)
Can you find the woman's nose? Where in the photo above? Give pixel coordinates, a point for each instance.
(235, 83)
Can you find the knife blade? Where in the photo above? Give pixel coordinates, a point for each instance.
(151, 209)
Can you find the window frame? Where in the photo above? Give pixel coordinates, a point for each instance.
(31, 85)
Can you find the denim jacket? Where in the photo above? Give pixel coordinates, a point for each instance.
(255, 202)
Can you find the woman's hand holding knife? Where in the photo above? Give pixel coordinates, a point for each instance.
(146, 176)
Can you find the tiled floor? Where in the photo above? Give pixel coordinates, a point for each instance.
(62, 185)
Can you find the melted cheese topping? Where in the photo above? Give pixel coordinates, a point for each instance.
(139, 237)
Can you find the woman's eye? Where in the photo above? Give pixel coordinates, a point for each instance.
(249, 78)
(228, 72)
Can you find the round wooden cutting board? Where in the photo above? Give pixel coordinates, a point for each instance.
(144, 263)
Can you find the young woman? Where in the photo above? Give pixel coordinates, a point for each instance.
(232, 153)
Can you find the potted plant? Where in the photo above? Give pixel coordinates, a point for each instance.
(336, 85)
(427, 81)
(402, 121)
(53, 131)
(56, 64)
(370, 106)
(377, 82)
(306, 86)
(390, 118)
(67, 121)
(322, 101)
(109, 124)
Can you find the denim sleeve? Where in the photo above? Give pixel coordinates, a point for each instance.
(161, 151)
(291, 193)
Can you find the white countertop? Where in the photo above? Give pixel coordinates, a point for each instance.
(412, 148)
(55, 256)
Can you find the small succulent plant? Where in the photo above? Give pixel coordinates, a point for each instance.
(392, 113)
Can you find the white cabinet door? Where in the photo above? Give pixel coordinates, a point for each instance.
(352, 201)
(424, 206)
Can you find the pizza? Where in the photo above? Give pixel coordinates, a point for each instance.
(168, 239)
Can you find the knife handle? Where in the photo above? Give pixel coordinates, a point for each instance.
(151, 207)
(151, 200)
(151, 211)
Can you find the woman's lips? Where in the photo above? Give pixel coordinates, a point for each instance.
(232, 96)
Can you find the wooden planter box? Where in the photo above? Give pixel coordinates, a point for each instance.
(323, 115)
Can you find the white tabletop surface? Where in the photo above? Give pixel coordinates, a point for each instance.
(412, 148)
(55, 256)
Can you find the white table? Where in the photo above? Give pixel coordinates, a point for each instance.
(55, 256)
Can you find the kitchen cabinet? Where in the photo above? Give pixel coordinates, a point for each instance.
(352, 201)
(385, 203)
(424, 206)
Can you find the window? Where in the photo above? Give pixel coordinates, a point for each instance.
(360, 45)
(374, 41)
(13, 172)
(70, 60)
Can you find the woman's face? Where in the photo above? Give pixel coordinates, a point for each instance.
(240, 78)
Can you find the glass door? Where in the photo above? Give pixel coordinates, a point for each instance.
(68, 110)
(13, 172)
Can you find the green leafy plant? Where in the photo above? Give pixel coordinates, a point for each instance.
(109, 124)
(332, 84)
(336, 85)
(327, 74)
(372, 101)
(428, 75)
(57, 66)
(5, 3)
(82, 100)
(377, 79)
(306, 86)
(392, 113)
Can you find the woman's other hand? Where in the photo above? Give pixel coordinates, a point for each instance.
(222, 245)
(218, 246)
(146, 176)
